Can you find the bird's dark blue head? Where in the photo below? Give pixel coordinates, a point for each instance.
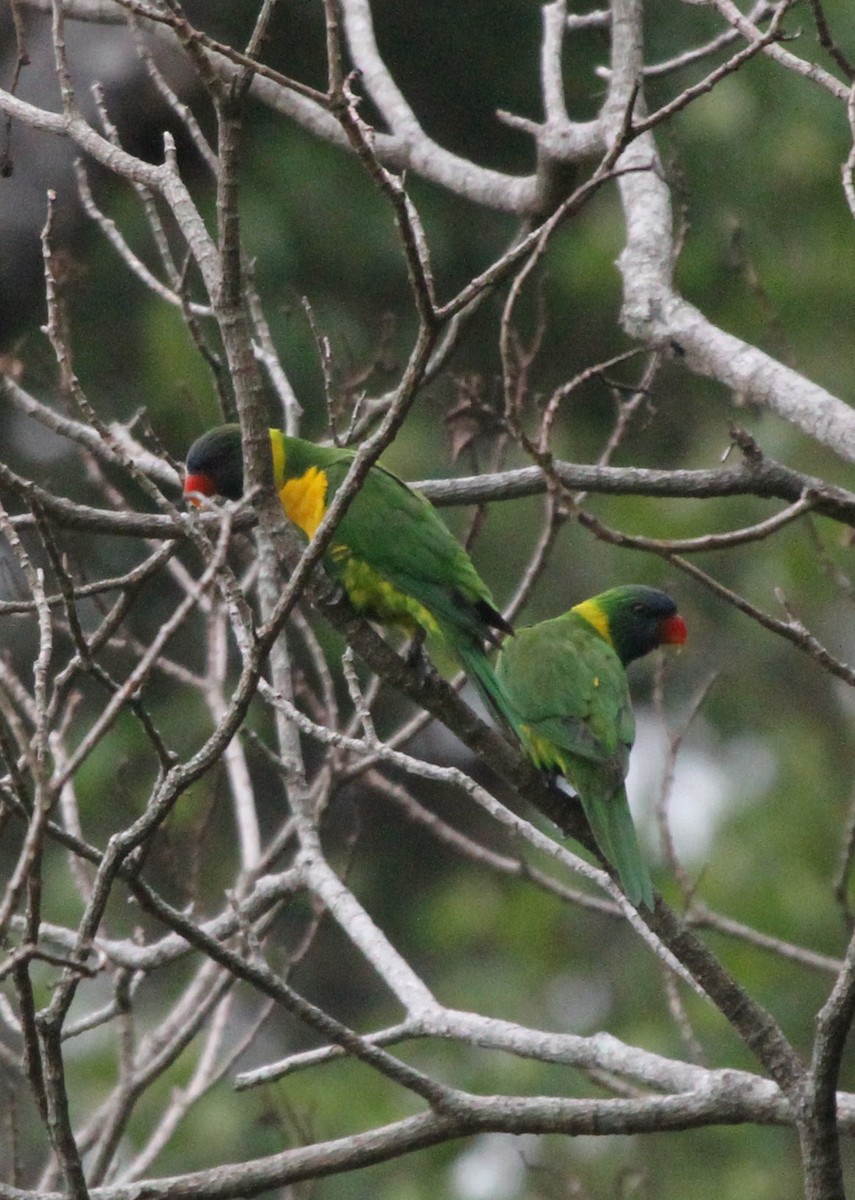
(635, 620)
(215, 464)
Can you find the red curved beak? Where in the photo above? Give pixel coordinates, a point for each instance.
(672, 631)
(198, 485)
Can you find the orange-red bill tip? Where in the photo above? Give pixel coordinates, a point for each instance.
(673, 631)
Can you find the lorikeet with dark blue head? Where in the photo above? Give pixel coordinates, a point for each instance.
(567, 700)
(398, 563)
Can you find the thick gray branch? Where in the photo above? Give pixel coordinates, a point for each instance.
(655, 313)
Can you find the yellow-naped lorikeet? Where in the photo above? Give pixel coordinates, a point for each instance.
(568, 702)
(398, 563)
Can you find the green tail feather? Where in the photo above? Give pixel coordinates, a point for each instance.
(612, 827)
(478, 667)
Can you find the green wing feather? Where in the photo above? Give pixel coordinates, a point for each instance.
(398, 562)
(401, 565)
(398, 533)
(567, 693)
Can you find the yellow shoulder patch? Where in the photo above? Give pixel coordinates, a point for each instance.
(305, 499)
(594, 615)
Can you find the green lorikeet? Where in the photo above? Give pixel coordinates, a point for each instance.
(398, 563)
(568, 703)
